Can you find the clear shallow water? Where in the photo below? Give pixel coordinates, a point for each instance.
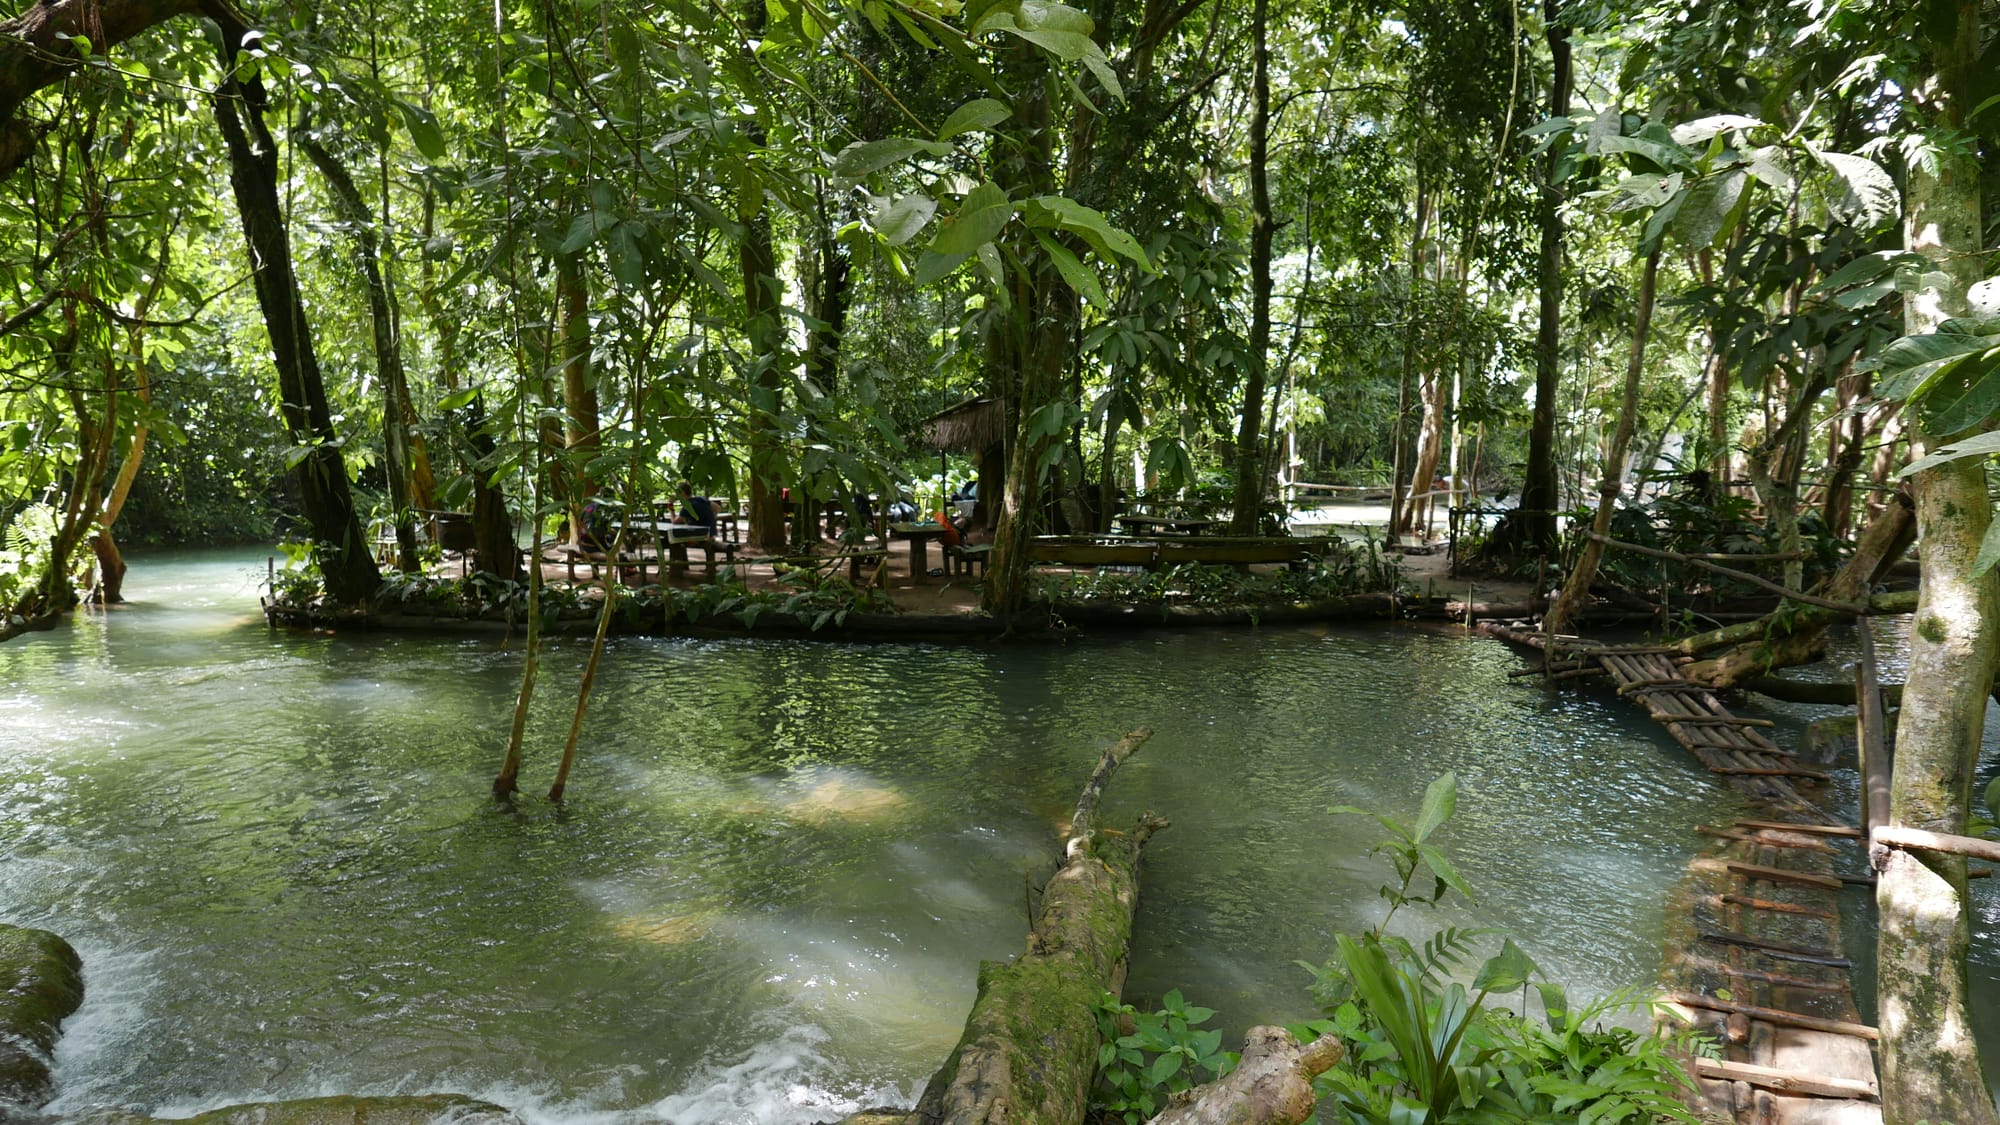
(779, 863)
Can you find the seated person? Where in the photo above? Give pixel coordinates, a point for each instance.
(696, 511)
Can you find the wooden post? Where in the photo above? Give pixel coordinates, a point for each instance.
(1871, 745)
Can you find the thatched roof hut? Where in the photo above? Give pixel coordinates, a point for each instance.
(972, 427)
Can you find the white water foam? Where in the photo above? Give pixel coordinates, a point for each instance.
(775, 1084)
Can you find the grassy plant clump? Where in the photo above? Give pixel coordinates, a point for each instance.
(1423, 1045)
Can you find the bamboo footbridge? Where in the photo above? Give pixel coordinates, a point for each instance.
(1756, 957)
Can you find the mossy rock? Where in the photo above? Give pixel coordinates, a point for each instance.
(41, 982)
(423, 1109)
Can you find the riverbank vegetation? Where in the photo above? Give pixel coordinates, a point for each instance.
(1710, 279)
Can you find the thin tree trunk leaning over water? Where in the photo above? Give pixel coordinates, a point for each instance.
(1757, 649)
(1569, 605)
(1029, 1052)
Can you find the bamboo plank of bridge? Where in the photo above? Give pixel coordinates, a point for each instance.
(1809, 829)
(1774, 1016)
(1786, 1081)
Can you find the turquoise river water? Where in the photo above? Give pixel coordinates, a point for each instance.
(779, 862)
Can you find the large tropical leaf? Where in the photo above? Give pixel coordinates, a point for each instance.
(1867, 197)
(979, 217)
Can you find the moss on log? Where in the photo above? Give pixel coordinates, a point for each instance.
(41, 983)
(1029, 1051)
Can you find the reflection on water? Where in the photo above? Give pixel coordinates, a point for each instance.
(779, 864)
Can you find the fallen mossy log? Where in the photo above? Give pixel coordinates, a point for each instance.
(1793, 635)
(1029, 1051)
(1272, 1085)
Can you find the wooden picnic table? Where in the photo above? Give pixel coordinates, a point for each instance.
(1179, 525)
(918, 534)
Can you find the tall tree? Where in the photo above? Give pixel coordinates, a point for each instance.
(340, 548)
(1249, 504)
(1930, 1064)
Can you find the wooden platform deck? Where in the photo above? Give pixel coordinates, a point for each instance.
(1755, 952)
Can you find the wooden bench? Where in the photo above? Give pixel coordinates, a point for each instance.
(569, 555)
(964, 559)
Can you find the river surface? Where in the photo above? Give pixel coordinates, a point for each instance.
(779, 862)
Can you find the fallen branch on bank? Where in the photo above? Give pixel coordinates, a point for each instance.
(1271, 1086)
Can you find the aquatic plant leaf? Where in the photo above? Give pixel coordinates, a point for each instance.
(1440, 800)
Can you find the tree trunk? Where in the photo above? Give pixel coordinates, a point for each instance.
(341, 549)
(1930, 1065)
(761, 289)
(1249, 503)
(581, 437)
(1399, 485)
(1032, 353)
(1029, 1051)
(37, 50)
(494, 550)
(1530, 530)
(1569, 605)
(388, 347)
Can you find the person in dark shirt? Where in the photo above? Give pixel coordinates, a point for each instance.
(696, 510)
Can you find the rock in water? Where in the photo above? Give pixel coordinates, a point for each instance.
(41, 982)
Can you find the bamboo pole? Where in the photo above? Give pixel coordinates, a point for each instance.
(1774, 1016)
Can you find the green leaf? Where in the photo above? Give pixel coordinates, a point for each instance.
(1964, 393)
(1666, 156)
(424, 131)
(1506, 970)
(628, 259)
(977, 114)
(1988, 557)
(1993, 796)
(584, 230)
(1089, 224)
(1978, 446)
(1867, 196)
(865, 158)
(1073, 271)
(1702, 129)
(904, 218)
(934, 266)
(1164, 1067)
(1910, 362)
(1446, 873)
(980, 216)
(458, 399)
(1709, 206)
(1440, 801)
